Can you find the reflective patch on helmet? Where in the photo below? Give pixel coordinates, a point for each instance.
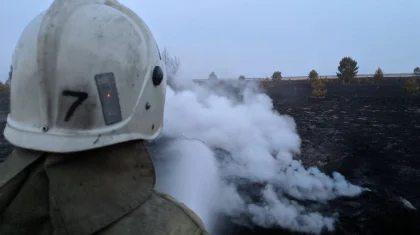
(109, 97)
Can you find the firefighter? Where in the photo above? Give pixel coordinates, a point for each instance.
(88, 88)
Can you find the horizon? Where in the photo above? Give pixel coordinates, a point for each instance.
(322, 76)
(255, 39)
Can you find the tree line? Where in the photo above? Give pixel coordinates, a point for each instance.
(347, 71)
(5, 85)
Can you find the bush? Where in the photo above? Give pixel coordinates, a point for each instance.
(363, 80)
(266, 82)
(3, 86)
(276, 75)
(318, 88)
(411, 86)
(212, 76)
(347, 69)
(313, 75)
(379, 74)
(325, 80)
(416, 71)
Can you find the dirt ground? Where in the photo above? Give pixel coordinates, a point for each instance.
(369, 133)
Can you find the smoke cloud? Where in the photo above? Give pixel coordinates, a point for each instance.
(234, 155)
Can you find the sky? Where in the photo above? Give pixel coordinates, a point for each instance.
(257, 37)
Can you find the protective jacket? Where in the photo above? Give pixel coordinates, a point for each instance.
(105, 191)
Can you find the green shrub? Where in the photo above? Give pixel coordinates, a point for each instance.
(379, 74)
(318, 88)
(4, 86)
(411, 86)
(276, 75)
(312, 75)
(416, 71)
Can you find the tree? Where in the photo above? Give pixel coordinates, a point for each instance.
(313, 75)
(347, 69)
(172, 65)
(411, 86)
(416, 71)
(2, 86)
(379, 74)
(9, 79)
(276, 75)
(242, 77)
(318, 88)
(6, 84)
(212, 76)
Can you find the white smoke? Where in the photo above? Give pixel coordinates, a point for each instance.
(262, 144)
(187, 170)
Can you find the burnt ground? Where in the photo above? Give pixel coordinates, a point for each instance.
(368, 132)
(371, 134)
(374, 143)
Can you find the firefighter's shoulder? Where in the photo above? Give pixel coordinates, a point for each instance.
(178, 214)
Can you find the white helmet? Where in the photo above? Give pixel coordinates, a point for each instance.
(86, 74)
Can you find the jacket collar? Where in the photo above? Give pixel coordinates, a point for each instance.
(92, 189)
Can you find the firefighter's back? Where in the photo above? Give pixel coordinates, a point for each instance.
(106, 191)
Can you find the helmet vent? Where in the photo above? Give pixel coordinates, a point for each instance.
(157, 76)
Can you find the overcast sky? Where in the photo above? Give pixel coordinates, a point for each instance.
(256, 37)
